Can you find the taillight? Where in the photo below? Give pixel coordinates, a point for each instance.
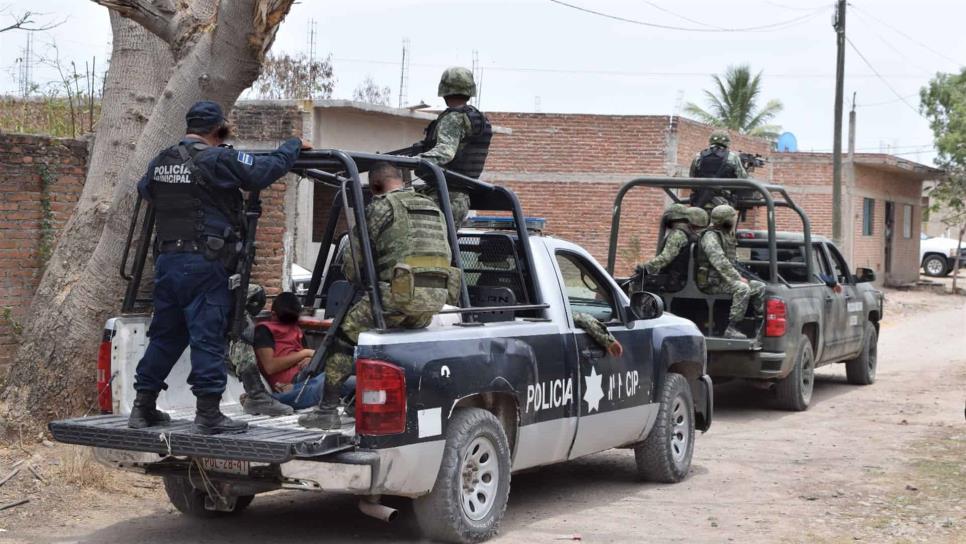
(380, 398)
(105, 400)
(775, 314)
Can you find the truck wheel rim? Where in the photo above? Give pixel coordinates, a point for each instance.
(808, 376)
(872, 358)
(934, 266)
(680, 429)
(480, 474)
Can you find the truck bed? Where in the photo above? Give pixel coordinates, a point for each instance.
(267, 440)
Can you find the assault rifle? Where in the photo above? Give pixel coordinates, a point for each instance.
(238, 282)
(751, 161)
(410, 151)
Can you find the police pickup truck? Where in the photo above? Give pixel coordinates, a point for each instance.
(816, 311)
(443, 415)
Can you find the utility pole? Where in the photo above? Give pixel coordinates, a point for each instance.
(848, 247)
(839, 24)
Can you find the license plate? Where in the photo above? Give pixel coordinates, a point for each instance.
(225, 466)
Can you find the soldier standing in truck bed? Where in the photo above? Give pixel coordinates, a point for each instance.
(717, 161)
(459, 138)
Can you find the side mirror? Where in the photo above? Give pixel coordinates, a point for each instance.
(646, 305)
(864, 275)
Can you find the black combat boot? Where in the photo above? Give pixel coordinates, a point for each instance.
(210, 420)
(257, 399)
(145, 413)
(326, 415)
(732, 333)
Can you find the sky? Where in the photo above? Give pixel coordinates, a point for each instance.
(543, 55)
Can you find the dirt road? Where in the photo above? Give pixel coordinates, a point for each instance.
(884, 463)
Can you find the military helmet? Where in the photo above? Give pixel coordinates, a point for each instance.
(720, 137)
(255, 302)
(676, 212)
(457, 80)
(723, 214)
(697, 217)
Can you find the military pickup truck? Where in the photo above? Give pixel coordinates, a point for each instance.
(817, 312)
(443, 415)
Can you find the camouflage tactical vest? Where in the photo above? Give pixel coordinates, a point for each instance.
(471, 156)
(707, 274)
(413, 255)
(677, 269)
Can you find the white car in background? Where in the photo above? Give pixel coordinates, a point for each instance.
(300, 278)
(937, 256)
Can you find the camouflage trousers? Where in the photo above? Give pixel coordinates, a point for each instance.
(339, 363)
(241, 357)
(741, 294)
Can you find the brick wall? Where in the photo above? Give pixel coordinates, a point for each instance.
(568, 169)
(35, 172)
(264, 124)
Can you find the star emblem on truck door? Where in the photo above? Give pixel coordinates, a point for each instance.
(593, 392)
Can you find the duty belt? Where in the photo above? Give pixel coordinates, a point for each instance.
(180, 246)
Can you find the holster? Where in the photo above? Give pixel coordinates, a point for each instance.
(217, 248)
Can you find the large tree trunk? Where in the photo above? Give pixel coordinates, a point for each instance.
(206, 49)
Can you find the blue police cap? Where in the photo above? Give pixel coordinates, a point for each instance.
(205, 115)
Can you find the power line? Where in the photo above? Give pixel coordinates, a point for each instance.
(887, 102)
(570, 71)
(895, 49)
(679, 16)
(882, 79)
(908, 37)
(760, 28)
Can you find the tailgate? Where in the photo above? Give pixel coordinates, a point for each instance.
(267, 440)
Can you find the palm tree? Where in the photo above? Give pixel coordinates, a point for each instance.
(735, 105)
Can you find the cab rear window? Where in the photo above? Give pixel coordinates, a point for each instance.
(790, 257)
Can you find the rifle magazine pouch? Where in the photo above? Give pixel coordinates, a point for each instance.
(418, 290)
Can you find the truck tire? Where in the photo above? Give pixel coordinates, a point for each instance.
(861, 370)
(469, 497)
(795, 390)
(665, 455)
(191, 501)
(935, 266)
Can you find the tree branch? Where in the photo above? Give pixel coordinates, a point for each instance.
(157, 16)
(21, 22)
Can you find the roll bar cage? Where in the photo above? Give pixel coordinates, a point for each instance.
(765, 198)
(340, 170)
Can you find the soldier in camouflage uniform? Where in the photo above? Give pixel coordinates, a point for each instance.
(717, 161)
(459, 139)
(242, 362)
(681, 225)
(598, 331)
(412, 256)
(717, 273)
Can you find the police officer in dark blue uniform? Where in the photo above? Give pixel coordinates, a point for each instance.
(195, 188)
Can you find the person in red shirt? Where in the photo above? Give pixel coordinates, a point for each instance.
(280, 349)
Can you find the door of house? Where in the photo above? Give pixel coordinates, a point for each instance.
(890, 221)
